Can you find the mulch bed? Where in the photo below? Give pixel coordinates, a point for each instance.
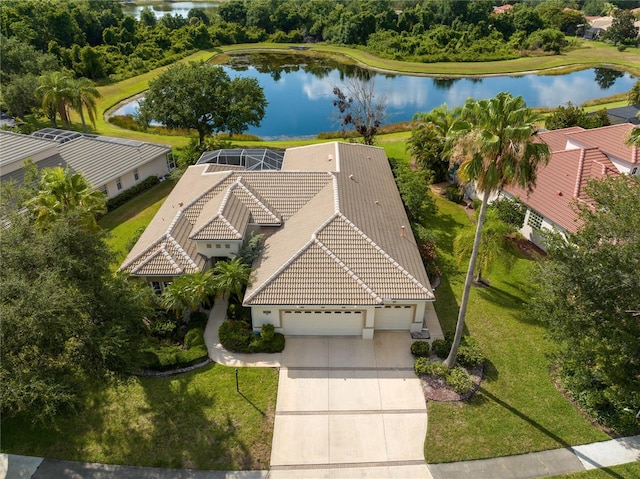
(436, 389)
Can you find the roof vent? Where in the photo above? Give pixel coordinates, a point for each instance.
(559, 193)
(180, 204)
(402, 231)
(351, 177)
(377, 202)
(330, 157)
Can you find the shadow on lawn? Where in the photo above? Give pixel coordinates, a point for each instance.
(502, 298)
(488, 396)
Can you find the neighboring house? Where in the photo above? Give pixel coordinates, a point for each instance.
(111, 165)
(577, 156)
(599, 25)
(339, 256)
(6, 120)
(624, 114)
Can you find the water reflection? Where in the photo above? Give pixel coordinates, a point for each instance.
(299, 90)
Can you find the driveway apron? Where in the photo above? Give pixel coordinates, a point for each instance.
(349, 408)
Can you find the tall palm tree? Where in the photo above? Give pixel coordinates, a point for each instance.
(55, 91)
(493, 142)
(634, 137)
(188, 292)
(634, 94)
(62, 192)
(232, 276)
(83, 96)
(494, 244)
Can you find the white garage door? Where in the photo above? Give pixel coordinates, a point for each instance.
(322, 323)
(396, 317)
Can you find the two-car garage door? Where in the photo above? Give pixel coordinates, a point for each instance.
(322, 322)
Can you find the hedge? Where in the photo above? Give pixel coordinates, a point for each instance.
(125, 196)
(237, 337)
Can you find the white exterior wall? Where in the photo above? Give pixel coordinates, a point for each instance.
(621, 165)
(218, 248)
(17, 164)
(157, 167)
(532, 235)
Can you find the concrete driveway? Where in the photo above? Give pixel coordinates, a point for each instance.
(349, 408)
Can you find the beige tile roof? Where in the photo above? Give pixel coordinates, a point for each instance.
(339, 239)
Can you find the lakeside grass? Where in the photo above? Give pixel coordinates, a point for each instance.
(195, 420)
(517, 409)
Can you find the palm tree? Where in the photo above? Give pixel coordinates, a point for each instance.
(493, 244)
(634, 136)
(55, 91)
(62, 192)
(493, 143)
(188, 292)
(84, 94)
(634, 94)
(232, 276)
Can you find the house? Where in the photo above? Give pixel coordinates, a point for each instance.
(624, 114)
(339, 256)
(111, 165)
(577, 156)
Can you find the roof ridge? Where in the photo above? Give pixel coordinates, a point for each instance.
(385, 255)
(146, 250)
(260, 201)
(336, 195)
(581, 159)
(227, 174)
(182, 252)
(349, 271)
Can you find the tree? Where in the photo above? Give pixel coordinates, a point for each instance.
(202, 97)
(232, 276)
(55, 92)
(572, 115)
(63, 193)
(634, 94)
(427, 144)
(622, 29)
(83, 96)
(493, 143)
(188, 292)
(494, 244)
(588, 297)
(414, 190)
(358, 106)
(19, 96)
(68, 323)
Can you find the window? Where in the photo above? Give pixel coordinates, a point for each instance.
(535, 220)
(634, 171)
(217, 245)
(136, 176)
(171, 163)
(104, 190)
(227, 246)
(155, 285)
(119, 184)
(209, 245)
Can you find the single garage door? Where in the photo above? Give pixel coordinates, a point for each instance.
(322, 323)
(394, 317)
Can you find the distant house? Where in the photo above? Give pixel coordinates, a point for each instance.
(6, 120)
(339, 256)
(502, 9)
(577, 156)
(624, 114)
(111, 165)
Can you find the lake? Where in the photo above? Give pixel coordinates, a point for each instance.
(299, 90)
(174, 8)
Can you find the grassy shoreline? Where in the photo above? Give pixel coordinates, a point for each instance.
(591, 54)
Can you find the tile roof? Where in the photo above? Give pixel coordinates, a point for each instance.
(342, 234)
(610, 140)
(562, 182)
(557, 139)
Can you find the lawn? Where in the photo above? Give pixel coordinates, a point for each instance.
(517, 410)
(624, 471)
(137, 213)
(195, 420)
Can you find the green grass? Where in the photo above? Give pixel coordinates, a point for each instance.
(195, 420)
(624, 471)
(517, 410)
(124, 221)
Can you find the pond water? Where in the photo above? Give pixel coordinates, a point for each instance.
(300, 91)
(161, 9)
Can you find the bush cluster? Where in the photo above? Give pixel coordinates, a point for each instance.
(441, 348)
(125, 196)
(469, 352)
(237, 312)
(420, 349)
(459, 380)
(454, 193)
(238, 337)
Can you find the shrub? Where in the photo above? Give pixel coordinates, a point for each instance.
(420, 366)
(238, 312)
(459, 380)
(476, 203)
(510, 210)
(268, 332)
(441, 348)
(469, 352)
(194, 355)
(423, 366)
(420, 349)
(194, 337)
(125, 196)
(237, 336)
(162, 327)
(198, 319)
(454, 193)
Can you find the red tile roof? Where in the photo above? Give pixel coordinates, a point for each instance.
(610, 140)
(562, 182)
